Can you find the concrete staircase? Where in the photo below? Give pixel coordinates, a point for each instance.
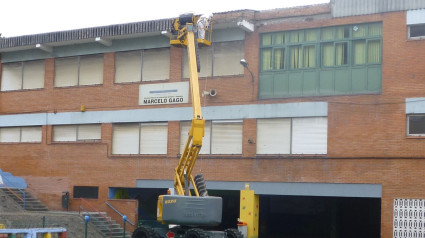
(30, 204)
(106, 225)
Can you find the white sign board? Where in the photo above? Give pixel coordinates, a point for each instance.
(164, 93)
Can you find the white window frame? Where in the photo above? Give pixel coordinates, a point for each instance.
(21, 136)
(75, 133)
(143, 70)
(24, 79)
(296, 137)
(408, 125)
(79, 80)
(415, 18)
(144, 145)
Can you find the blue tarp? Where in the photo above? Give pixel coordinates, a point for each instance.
(10, 181)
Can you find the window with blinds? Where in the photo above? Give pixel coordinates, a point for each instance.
(22, 75)
(220, 137)
(20, 134)
(221, 59)
(79, 70)
(142, 65)
(74, 133)
(139, 138)
(292, 135)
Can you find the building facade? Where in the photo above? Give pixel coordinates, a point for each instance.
(327, 124)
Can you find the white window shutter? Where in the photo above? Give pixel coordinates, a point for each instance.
(205, 58)
(128, 66)
(11, 76)
(156, 64)
(65, 133)
(153, 138)
(309, 135)
(125, 139)
(274, 136)
(89, 132)
(227, 56)
(33, 74)
(91, 69)
(226, 138)
(66, 72)
(10, 134)
(31, 134)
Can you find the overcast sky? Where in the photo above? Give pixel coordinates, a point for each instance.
(23, 17)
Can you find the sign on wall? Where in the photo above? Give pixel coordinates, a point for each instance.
(164, 93)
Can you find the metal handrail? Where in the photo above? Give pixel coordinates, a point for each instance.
(119, 213)
(82, 200)
(16, 195)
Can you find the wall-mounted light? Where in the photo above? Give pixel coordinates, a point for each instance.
(246, 65)
(211, 93)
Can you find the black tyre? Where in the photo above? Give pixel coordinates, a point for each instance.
(233, 233)
(145, 232)
(195, 233)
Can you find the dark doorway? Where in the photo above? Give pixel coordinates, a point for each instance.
(308, 217)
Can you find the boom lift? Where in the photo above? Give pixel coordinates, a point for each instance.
(186, 210)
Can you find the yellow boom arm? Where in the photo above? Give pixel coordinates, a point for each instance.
(183, 172)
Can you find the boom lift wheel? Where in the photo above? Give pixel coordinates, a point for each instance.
(233, 233)
(145, 232)
(195, 233)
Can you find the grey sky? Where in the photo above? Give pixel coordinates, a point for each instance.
(22, 17)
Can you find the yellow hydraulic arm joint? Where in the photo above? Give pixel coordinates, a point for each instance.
(185, 37)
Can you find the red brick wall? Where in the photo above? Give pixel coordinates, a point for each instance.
(367, 140)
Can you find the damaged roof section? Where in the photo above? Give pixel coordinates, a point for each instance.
(136, 28)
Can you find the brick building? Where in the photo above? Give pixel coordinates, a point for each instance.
(328, 129)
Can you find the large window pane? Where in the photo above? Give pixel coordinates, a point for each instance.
(156, 64)
(374, 52)
(416, 125)
(125, 139)
(89, 132)
(33, 76)
(128, 66)
(341, 54)
(328, 54)
(279, 58)
(10, 134)
(31, 134)
(66, 72)
(226, 138)
(273, 136)
(11, 76)
(91, 69)
(227, 56)
(153, 138)
(296, 57)
(266, 59)
(359, 52)
(309, 56)
(266, 39)
(206, 62)
(309, 135)
(65, 133)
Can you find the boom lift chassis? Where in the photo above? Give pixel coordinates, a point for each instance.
(189, 211)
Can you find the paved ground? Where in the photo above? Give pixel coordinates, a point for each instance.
(13, 216)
